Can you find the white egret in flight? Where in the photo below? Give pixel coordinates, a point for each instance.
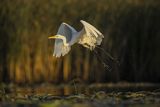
(66, 36)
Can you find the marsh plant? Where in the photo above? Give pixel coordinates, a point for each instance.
(130, 27)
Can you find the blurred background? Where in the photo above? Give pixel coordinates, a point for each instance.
(131, 29)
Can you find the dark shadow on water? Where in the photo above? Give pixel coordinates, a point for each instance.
(66, 90)
(95, 95)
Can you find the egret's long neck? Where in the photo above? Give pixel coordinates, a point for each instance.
(59, 37)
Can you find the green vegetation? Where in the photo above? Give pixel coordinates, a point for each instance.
(131, 29)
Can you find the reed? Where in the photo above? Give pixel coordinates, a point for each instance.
(131, 29)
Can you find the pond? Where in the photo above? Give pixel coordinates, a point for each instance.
(81, 95)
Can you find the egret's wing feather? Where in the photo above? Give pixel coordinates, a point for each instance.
(91, 29)
(66, 31)
(60, 49)
(90, 36)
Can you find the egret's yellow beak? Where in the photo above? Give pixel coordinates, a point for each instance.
(52, 37)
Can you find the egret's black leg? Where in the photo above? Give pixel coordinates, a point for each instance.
(108, 68)
(108, 55)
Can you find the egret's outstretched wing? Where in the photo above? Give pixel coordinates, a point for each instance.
(90, 36)
(59, 47)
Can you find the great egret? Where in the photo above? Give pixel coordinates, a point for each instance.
(66, 36)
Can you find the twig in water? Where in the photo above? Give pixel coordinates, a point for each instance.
(75, 87)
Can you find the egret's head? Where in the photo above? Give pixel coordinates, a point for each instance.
(59, 37)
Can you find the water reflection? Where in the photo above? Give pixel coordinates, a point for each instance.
(97, 95)
(66, 90)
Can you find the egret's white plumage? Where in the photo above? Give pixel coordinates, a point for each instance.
(66, 36)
